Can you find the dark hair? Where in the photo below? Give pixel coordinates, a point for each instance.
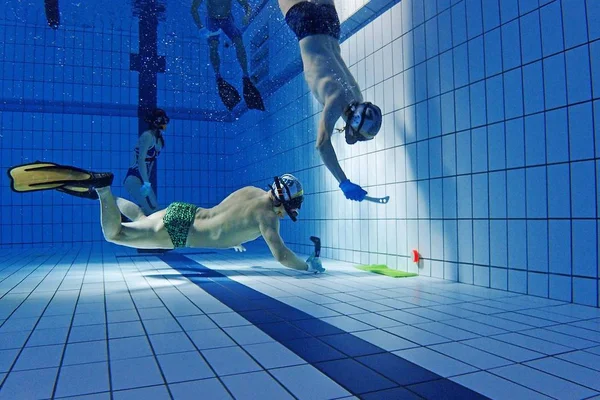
(157, 117)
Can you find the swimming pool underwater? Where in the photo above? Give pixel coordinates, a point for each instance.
(489, 151)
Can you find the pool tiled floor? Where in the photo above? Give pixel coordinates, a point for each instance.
(108, 323)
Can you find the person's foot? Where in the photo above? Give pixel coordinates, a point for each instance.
(228, 94)
(252, 96)
(87, 189)
(97, 180)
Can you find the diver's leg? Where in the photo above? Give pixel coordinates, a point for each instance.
(241, 54)
(150, 203)
(252, 96)
(130, 209)
(145, 233)
(132, 185)
(235, 35)
(147, 203)
(110, 214)
(215, 60)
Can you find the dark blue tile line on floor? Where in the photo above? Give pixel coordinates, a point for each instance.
(158, 253)
(365, 370)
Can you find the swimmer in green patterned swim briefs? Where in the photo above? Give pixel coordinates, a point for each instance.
(242, 216)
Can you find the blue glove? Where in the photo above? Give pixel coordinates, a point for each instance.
(352, 191)
(206, 34)
(146, 189)
(314, 265)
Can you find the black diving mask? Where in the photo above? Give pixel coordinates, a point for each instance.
(358, 116)
(162, 121)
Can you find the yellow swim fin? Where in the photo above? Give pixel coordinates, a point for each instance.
(46, 175)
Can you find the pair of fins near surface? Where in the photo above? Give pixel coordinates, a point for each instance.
(42, 175)
(231, 97)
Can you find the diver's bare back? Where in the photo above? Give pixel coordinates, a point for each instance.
(234, 221)
(325, 75)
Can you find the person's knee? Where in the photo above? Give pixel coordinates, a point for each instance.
(113, 237)
(132, 185)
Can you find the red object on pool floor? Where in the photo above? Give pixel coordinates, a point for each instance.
(416, 256)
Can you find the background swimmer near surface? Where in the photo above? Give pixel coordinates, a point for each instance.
(148, 148)
(219, 19)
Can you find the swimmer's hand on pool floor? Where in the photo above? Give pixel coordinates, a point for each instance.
(314, 265)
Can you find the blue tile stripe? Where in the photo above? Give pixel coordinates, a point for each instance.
(360, 367)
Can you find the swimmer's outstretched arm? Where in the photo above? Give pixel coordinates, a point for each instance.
(144, 143)
(270, 232)
(334, 107)
(331, 113)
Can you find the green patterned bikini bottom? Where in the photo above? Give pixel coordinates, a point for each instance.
(178, 219)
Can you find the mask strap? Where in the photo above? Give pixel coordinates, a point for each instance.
(281, 198)
(350, 108)
(287, 190)
(348, 112)
(279, 194)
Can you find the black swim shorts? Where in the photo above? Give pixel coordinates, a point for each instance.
(306, 19)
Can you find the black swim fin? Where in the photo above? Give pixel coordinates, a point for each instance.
(86, 193)
(229, 94)
(46, 175)
(52, 13)
(252, 96)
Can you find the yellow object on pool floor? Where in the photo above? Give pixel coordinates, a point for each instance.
(384, 270)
